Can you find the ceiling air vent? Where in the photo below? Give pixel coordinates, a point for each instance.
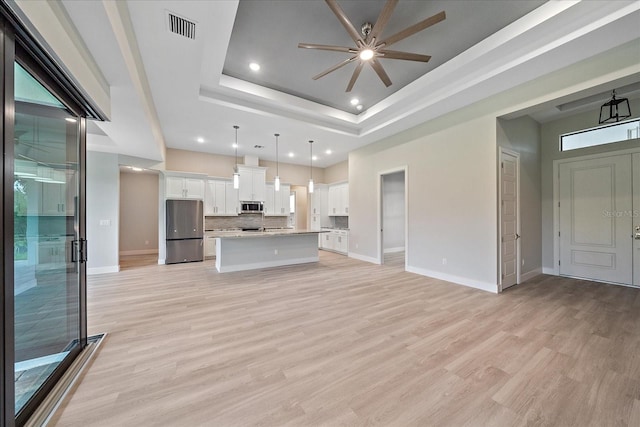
(181, 26)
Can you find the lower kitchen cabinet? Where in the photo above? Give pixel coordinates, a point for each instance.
(209, 247)
(335, 241)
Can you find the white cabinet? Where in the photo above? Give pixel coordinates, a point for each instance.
(54, 199)
(335, 240)
(339, 200)
(231, 206)
(57, 199)
(220, 198)
(178, 187)
(209, 247)
(252, 183)
(316, 220)
(341, 242)
(328, 240)
(277, 203)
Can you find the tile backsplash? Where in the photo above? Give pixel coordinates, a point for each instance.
(341, 221)
(245, 221)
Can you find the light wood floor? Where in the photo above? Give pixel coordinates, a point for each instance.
(347, 343)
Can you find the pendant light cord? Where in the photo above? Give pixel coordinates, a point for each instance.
(310, 159)
(277, 163)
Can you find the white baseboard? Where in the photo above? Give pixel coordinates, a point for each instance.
(364, 258)
(393, 250)
(103, 270)
(547, 270)
(161, 261)
(140, 252)
(530, 274)
(485, 286)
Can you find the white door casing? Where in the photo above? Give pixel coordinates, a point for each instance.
(509, 219)
(636, 219)
(595, 207)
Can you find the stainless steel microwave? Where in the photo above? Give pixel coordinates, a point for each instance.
(251, 207)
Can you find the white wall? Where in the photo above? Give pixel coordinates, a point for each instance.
(522, 135)
(103, 206)
(138, 213)
(451, 188)
(393, 212)
(550, 149)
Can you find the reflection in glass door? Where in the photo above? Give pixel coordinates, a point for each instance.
(46, 276)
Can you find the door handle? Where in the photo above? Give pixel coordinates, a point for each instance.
(517, 236)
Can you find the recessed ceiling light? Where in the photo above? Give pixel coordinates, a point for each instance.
(254, 66)
(133, 168)
(291, 154)
(200, 139)
(359, 107)
(70, 119)
(234, 145)
(366, 54)
(328, 152)
(314, 158)
(355, 101)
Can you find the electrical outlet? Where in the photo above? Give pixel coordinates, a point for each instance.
(146, 242)
(523, 262)
(444, 261)
(356, 246)
(275, 252)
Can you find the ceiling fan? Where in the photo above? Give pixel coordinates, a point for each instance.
(369, 48)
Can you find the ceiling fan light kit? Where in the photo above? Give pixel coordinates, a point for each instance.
(369, 48)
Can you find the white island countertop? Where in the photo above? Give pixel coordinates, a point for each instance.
(237, 234)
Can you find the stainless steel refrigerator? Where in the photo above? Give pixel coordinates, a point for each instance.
(185, 231)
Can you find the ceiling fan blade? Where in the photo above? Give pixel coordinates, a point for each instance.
(354, 77)
(394, 54)
(387, 10)
(335, 67)
(346, 23)
(409, 31)
(377, 67)
(327, 47)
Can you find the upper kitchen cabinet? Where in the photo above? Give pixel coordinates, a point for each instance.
(339, 200)
(277, 203)
(252, 183)
(184, 187)
(220, 198)
(58, 199)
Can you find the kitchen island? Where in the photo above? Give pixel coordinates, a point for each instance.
(249, 250)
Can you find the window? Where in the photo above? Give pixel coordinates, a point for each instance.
(616, 132)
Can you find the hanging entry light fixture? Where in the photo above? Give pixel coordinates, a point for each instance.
(236, 174)
(310, 166)
(614, 110)
(276, 183)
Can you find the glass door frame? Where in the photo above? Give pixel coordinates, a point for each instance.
(18, 45)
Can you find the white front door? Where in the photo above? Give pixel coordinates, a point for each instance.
(596, 219)
(636, 220)
(509, 219)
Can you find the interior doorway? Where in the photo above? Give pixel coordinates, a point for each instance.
(393, 218)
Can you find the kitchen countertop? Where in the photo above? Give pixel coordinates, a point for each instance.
(233, 234)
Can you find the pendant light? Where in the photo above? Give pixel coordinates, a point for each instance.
(276, 182)
(614, 110)
(310, 166)
(236, 174)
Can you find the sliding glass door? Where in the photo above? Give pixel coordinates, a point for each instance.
(46, 274)
(42, 258)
